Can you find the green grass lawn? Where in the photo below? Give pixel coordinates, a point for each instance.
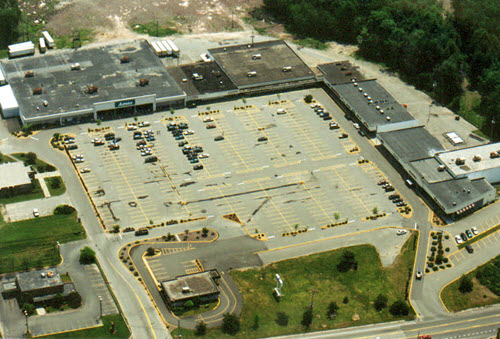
(39, 165)
(32, 243)
(5, 158)
(36, 193)
(481, 295)
(51, 181)
(154, 29)
(100, 332)
(319, 272)
(196, 310)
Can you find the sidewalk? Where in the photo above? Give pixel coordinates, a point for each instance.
(41, 179)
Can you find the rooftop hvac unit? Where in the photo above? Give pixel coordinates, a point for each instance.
(365, 94)
(353, 80)
(494, 155)
(143, 82)
(388, 118)
(37, 90)
(381, 111)
(29, 74)
(197, 76)
(92, 89)
(185, 289)
(360, 89)
(355, 84)
(251, 74)
(256, 56)
(441, 168)
(460, 161)
(477, 158)
(287, 69)
(124, 60)
(76, 67)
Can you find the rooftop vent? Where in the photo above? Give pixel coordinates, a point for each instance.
(42, 274)
(256, 56)
(92, 89)
(37, 91)
(454, 203)
(460, 161)
(197, 76)
(441, 168)
(388, 118)
(251, 74)
(477, 158)
(353, 79)
(381, 111)
(369, 98)
(124, 60)
(287, 69)
(360, 89)
(365, 94)
(355, 84)
(143, 82)
(377, 107)
(76, 67)
(29, 74)
(185, 289)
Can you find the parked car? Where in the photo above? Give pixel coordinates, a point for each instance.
(36, 214)
(334, 125)
(171, 126)
(458, 239)
(474, 230)
(85, 170)
(151, 159)
(203, 155)
(389, 188)
(463, 236)
(208, 119)
(197, 167)
(469, 234)
(210, 126)
(401, 232)
(182, 143)
(401, 204)
(361, 132)
(419, 274)
(469, 248)
(218, 138)
(343, 136)
(262, 139)
(188, 132)
(394, 196)
(327, 117)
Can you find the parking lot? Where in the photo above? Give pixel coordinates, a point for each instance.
(277, 172)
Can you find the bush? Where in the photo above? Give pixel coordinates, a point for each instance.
(346, 300)
(256, 320)
(282, 318)
(31, 158)
(380, 302)
(332, 309)
(55, 182)
(64, 209)
(347, 262)
(150, 251)
(74, 299)
(230, 324)
(205, 232)
(201, 328)
(399, 308)
(188, 304)
(307, 318)
(30, 308)
(465, 285)
(87, 256)
(308, 98)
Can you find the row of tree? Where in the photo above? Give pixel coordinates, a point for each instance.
(10, 14)
(434, 50)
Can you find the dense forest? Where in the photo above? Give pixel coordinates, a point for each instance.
(10, 15)
(438, 52)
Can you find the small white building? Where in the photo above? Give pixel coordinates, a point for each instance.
(8, 102)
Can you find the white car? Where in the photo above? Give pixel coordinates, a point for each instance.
(203, 155)
(208, 119)
(85, 170)
(188, 132)
(131, 127)
(36, 214)
(458, 239)
(474, 230)
(356, 125)
(401, 232)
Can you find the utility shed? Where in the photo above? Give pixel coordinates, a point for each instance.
(203, 285)
(8, 102)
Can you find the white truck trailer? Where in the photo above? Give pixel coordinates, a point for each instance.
(167, 47)
(41, 45)
(175, 50)
(21, 49)
(48, 39)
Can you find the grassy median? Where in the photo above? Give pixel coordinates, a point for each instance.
(121, 330)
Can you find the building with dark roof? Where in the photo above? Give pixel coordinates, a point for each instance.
(340, 72)
(268, 63)
(80, 83)
(33, 284)
(203, 286)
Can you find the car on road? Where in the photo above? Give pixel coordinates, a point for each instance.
(458, 239)
(469, 234)
(142, 231)
(36, 214)
(401, 232)
(218, 138)
(469, 248)
(419, 274)
(463, 236)
(474, 230)
(197, 167)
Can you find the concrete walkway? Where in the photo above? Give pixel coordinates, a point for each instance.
(41, 179)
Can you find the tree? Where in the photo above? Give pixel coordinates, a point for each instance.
(10, 14)
(465, 284)
(230, 324)
(74, 299)
(204, 232)
(64, 209)
(380, 302)
(347, 262)
(345, 300)
(332, 310)
(201, 328)
(31, 158)
(282, 318)
(256, 320)
(56, 136)
(307, 318)
(87, 256)
(375, 210)
(308, 98)
(399, 308)
(188, 304)
(150, 251)
(30, 308)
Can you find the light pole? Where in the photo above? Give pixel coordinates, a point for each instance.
(100, 307)
(313, 291)
(27, 323)
(491, 129)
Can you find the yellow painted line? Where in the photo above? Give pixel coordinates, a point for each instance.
(413, 271)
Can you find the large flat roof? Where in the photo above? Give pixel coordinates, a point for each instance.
(65, 89)
(481, 163)
(214, 79)
(411, 143)
(456, 194)
(14, 174)
(430, 171)
(367, 111)
(33, 280)
(341, 72)
(238, 60)
(199, 284)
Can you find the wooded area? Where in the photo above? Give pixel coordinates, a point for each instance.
(438, 52)
(10, 15)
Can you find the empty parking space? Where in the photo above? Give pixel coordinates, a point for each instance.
(276, 172)
(101, 290)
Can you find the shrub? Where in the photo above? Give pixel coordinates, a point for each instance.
(29, 308)
(308, 98)
(380, 302)
(465, 285)
(346, 300)
(64, 209)
(150, 251)
(74, 299)
(230, 324)
(201, 328)
(205, 232)
(399, 308)
(282, 318)
(332, 309)
(188, 304)
(87, 256)
(347, 262)
(31, 158)
(307, 318)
